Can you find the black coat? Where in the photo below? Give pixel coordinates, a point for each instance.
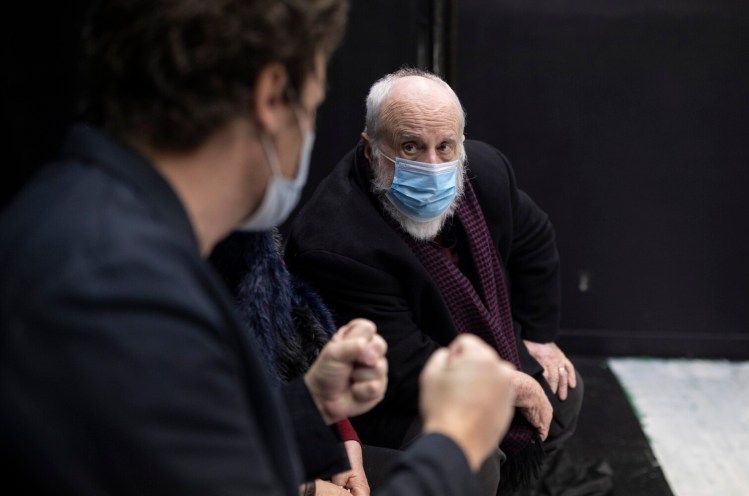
(342, 245)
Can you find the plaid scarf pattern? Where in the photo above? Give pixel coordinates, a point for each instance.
(483, 310)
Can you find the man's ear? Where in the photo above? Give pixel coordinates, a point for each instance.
(269, 105)
(367, 146)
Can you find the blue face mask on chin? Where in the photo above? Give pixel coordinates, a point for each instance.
(422, 191)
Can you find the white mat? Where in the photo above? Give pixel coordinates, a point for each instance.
(695, 414)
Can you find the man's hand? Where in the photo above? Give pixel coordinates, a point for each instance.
(558, 370)
(466, 394)
(349, 376)
(355, 480)
(533, 403)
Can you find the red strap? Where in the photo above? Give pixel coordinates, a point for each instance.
(347, 431)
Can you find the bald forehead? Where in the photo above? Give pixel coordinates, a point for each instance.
(417, 87)
(415, 104)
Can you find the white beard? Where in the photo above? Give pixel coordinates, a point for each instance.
(420, 230)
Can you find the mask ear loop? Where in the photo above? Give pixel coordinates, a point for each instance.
(391, 159)
(299, 117)
(271, 155)
(270, 150)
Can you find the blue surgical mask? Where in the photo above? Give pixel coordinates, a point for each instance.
(281, 195)
(422, 191)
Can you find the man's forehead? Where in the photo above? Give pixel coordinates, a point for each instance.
(418, 123)
(418, 114)
(421, 134)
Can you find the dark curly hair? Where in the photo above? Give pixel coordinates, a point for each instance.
(168, 73)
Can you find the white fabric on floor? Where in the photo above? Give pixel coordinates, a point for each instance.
(695, 414)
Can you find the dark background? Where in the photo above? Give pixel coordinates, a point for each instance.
(626, 120)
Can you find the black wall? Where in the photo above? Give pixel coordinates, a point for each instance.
(628, 122)
(39, 84)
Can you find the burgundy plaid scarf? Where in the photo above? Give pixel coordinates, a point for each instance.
(484, 311)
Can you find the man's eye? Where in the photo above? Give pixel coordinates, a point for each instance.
(409, 148)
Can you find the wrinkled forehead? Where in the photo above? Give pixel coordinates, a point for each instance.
(420, 110)
(420, 119)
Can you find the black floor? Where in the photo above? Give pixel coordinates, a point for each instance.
(609, 432)
(608, 455)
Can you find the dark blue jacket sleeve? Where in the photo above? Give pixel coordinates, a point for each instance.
(320, 448)
(433, 465)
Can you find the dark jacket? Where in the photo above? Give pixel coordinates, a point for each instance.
(123, 366)
(342, 245)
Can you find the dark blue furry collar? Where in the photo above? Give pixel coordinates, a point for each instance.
(289, 321)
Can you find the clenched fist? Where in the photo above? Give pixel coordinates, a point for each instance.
(466, 394)
(349, 377)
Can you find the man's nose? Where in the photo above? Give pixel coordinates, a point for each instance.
(431, 157)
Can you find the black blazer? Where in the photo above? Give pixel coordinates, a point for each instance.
(342, 245)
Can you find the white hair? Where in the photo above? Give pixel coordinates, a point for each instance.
(381, 89)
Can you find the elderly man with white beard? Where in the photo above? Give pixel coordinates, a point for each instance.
(427, 234)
